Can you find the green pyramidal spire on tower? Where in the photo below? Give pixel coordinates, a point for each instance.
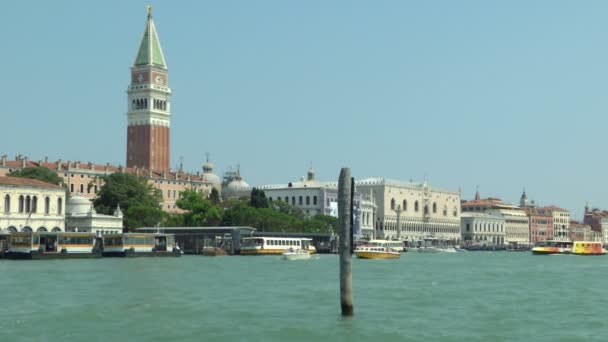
(150, 52)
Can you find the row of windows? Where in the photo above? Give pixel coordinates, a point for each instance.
(486, 227)
(300, 200)
(82, 188)
(29, 229)
(143, 104)
(29, 204)
(426, 208)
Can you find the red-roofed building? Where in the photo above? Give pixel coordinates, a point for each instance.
(84, 179)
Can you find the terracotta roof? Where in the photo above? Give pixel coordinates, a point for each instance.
(18, 181)
(553, 208)
(70, 166)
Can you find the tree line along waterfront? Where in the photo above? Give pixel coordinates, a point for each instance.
(140, 205)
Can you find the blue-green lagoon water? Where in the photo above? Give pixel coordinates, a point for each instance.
(474, 296)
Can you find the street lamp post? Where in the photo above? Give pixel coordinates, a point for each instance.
(398, 210)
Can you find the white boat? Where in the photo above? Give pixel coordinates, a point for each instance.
(296, 254)
(274, 245)
(397, 245)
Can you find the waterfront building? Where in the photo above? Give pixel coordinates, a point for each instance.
(29, 205)
(149, 105)
(85, 179)
(598, 221)
(309, 195)
(481, 228)
(541, 225)
(561, 221)
(412, 211)
(80, 216)
(582, 232)
(517, 223)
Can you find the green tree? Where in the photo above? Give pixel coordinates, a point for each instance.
(214, 197)
(129, 191)
(144, 216)
(40, 173)
(258, 199)
(199, 210)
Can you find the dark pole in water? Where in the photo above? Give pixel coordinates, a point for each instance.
(344, 220)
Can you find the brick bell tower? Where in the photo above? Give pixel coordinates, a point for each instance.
(149, 101)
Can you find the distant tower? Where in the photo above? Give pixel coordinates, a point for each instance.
(523, 201)
(149, 105)
(477, 197)
(311, 174)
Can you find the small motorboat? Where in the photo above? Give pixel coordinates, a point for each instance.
(376, 252)
(296, 254)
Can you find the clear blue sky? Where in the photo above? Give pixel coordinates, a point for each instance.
(503, 95)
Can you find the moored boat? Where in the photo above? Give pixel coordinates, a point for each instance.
(274, 245)
(53, 245)
(140, 244)
(377, 251)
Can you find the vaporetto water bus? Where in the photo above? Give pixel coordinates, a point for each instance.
(140, 244)
(274, 245)
(588, 248)
(53, 245)
(552, 247)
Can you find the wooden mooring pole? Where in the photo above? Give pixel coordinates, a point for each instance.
(344, 220)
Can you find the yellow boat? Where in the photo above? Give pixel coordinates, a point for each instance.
(376, 251)
(588, 248)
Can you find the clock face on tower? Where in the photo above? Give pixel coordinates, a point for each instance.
(159, 79)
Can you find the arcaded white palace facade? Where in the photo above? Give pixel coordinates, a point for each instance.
(421, 210)
(29, 205)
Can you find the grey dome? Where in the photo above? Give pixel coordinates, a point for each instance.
(78, 205)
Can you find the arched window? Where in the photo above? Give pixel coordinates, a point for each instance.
(392, 204)
(12, 229)
(7, 204)
(26, 230)
(72, 187)
(21, 203)
(133, 105)
(28, 204)
(41, 229)
(455, 212)
(416, 206)
(56, 229)
(405, 205)
(307, 200)
(35, 204)
(314, 200)
(300, 200)
(293, 200)
(434, 208)
(81, 188)
(47, 205)
(426, 209)
(59, 206)
(445, 210)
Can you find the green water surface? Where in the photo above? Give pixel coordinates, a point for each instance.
(473, 296)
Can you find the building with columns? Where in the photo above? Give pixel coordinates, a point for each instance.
(149, 105)
(411, 211)
(80, 216)
(517, 223)
(482, 229)
(30, 205)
